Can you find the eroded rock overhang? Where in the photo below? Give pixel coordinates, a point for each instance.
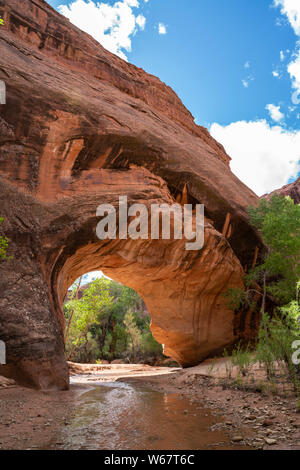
(80, 128)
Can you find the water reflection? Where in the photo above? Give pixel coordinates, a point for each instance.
(118, 416)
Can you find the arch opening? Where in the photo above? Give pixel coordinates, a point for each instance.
(183, 290)
(108, 322)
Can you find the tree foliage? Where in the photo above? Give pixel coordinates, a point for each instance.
(277, 335)
(278, 221)
(3, 245)
(82, 313)
(278, 275)
(106, 320)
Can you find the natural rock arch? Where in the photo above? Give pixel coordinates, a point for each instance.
(80, 128)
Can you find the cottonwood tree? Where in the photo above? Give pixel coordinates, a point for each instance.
(278, 275)
(120, 329)
(278, 221)
(84, 312)
(134, 333)
(3, 245)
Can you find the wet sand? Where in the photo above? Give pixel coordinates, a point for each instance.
(137, 406)
(29, 419)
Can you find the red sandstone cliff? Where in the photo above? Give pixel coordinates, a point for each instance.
(81, 127)
(292, 190)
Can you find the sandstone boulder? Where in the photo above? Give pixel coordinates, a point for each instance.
(5, 382)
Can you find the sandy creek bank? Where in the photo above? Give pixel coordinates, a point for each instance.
(142, 407)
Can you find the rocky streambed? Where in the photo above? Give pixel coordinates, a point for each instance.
(132, 407)
(139, 407)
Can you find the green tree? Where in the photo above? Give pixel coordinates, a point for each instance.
(112, 333)
(278, 221)
(134, 333)
(3, 245)
(278, 275)
(151, 346)
(83, 312)
(276, 337)
(120, 329)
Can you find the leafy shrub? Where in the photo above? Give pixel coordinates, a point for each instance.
(276, 337)
(241, 357)
(3, 245)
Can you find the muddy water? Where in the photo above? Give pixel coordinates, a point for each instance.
(119, 416)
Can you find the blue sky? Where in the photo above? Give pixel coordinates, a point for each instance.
(235, 64)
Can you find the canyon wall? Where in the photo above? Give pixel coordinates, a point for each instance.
(80, 128)
(292, 190)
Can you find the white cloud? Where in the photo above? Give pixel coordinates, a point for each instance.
(162, 29)
(141, 21)
(250, 78)
(275, 112)
(246, 81)
(264, 157)
(294, 71)
(291, 9)
(111, 25)
(90, 277)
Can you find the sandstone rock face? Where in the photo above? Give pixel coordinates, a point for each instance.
(292, 190)
(80, 128)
